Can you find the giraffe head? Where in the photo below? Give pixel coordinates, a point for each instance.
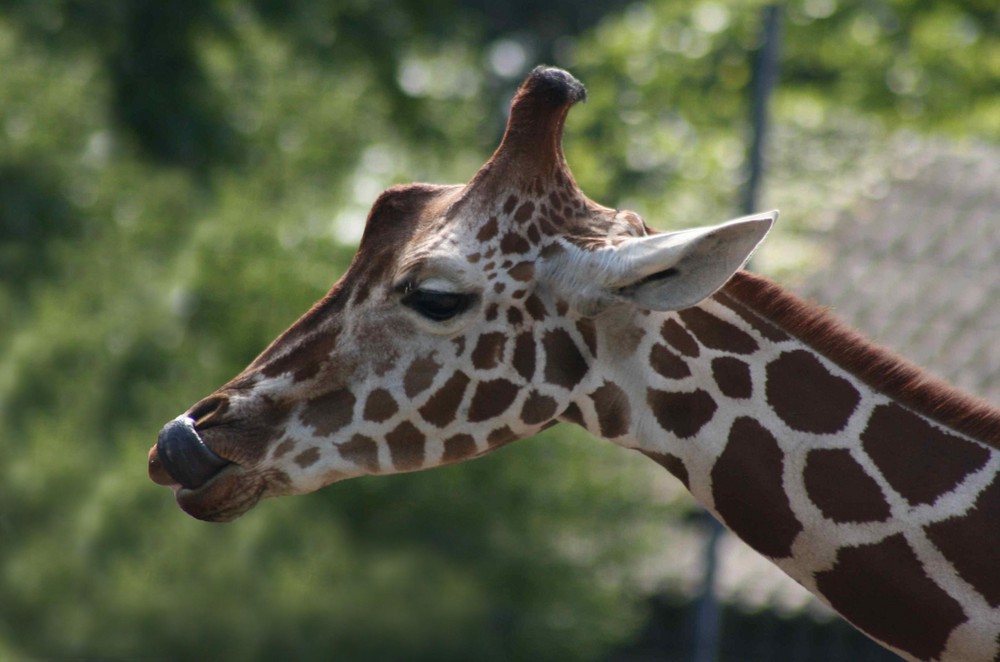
(466, 320)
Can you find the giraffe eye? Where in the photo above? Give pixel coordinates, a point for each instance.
(435, 305)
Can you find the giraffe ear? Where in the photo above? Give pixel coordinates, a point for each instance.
(676, 270)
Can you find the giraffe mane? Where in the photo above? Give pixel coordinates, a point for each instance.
(875, 365)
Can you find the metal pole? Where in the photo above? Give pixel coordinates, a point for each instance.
(708, 616)
(765, 76)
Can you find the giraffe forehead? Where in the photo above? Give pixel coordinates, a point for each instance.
(517, 221)
(492, 228)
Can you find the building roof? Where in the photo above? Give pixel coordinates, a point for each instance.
(917, 266)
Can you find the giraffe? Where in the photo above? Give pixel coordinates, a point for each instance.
(474, 315)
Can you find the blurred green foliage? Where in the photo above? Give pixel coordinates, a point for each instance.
(179, 181)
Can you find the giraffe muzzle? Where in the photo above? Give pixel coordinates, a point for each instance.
(185, 456)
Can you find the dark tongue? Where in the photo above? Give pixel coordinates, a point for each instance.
(185, 456)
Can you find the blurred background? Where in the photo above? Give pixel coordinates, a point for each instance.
(180, 180)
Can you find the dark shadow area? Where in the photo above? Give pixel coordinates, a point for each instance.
(35, 215)
(758, 635)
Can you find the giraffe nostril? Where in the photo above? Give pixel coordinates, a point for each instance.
(185, 456)
(204, 413)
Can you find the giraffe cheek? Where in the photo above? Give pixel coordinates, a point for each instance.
(380, 406)
(362, 452)
(459, 447)
(442, 407)
(329, 413)
(491, 399)
(538, 409)
(406, 447)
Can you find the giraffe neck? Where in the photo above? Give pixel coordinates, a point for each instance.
(872, 485)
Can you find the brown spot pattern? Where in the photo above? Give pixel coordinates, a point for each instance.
(564, 363)
(283, 449)
(524, 355)
(748, 489)
(538, 408)
(362, 451)
(668, 364)
(806, 396)
(717, 334)
(360, 295)
(488, 231)
(671, 463)
(459, 447)
(683, 414)
(522, 271)
(406, 447)
(380, 406)
(330, 412)
(442, 406)
(679, 339)
(514, 243)
(489, 350)
(733, 377)
(384, 360)
(613, 411)
(920, 461)
(841, 489)
(573, 414)
(534, 236)
(305, 358)
(307, 458)
(419, 376)
(535, 308)
(491, 399)
(524, 212)
(902, 382)
(882, 588)
(969, 541)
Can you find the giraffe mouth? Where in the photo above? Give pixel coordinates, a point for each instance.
(180, 457)
(206, 485)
